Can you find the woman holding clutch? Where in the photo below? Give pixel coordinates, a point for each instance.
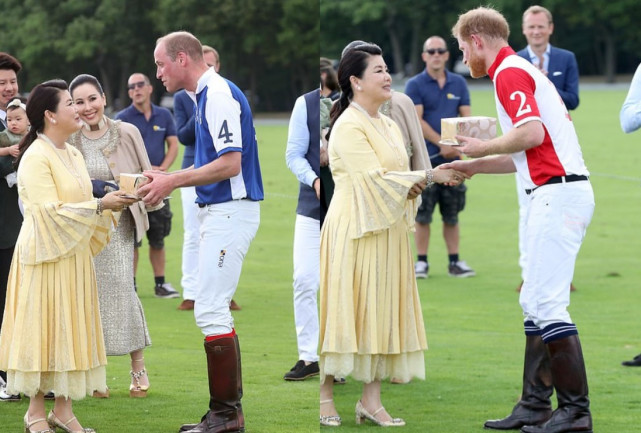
(51, 336)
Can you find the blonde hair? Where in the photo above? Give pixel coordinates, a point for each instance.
(182, 42)
(536, 9)
(483, 21)
(208, 49)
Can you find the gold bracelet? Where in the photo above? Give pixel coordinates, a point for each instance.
(430, 177)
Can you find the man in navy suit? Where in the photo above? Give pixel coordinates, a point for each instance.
(559, 65)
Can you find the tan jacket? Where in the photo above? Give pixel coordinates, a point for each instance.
(126, 154)
(401, 109)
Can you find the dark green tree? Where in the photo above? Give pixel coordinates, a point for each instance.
(269, 47)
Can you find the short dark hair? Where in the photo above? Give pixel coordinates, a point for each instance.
(331, 80)
(7, 61)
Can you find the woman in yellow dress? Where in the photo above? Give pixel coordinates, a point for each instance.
(371, 322)
(51, 336)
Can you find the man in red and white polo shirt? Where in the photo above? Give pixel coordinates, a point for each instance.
(539, 143)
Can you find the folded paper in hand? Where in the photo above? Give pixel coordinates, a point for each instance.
(131, 182)
(473, 126)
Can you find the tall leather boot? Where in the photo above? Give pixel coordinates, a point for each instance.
(571, 385)
(225, 413)
(534, 407)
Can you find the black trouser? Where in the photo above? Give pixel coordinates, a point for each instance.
(5, 264)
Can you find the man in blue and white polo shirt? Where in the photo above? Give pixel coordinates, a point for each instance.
(229, 186)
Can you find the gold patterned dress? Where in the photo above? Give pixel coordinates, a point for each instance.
(371, 324)
(51, 337)
(123, 318)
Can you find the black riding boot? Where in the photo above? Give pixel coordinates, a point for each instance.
(535, 406)
(571, 385)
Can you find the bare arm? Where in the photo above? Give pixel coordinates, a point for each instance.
(162, 184)
(172, 152)
(428, 132)
(496, 164)
(523, 137)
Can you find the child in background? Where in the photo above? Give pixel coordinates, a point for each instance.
(17, 127)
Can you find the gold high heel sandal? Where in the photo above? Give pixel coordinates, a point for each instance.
(54, 423)
(28, 424)
(362, 413)
(136, 390)
(329, 420)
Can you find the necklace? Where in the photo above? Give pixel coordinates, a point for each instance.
(385, 133)
(70, 166)
(97, 127)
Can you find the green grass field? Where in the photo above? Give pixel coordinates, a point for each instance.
(474, 326)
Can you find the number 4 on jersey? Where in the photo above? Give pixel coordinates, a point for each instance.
(224, 133)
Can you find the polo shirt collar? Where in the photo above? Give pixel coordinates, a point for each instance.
(503, 53)
(448, 74)
(153, 110)
(204, 79)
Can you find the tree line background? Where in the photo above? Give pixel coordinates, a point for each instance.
(603, 34)
(269, 48)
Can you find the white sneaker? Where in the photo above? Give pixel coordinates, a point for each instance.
(460, 269)
(166, 291)
(4, 396)
(421, 269)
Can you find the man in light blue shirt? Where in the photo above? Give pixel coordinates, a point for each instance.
(630, 118)
(303, 159)
(630, 115)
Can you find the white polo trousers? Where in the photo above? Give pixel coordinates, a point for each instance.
(557, 218)
(226, 231)
(306, 285)
(191, 239)
(524, 200)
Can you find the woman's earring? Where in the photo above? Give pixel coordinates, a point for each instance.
(359, 88)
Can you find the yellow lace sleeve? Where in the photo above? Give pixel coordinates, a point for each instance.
(60, 230)
(380, 200)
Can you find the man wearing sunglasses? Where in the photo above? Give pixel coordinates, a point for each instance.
(438, 93)
(158, 130)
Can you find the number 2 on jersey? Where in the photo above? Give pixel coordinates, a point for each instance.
(523, 108)
(224, 133)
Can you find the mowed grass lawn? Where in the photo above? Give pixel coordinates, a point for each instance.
(474, 326)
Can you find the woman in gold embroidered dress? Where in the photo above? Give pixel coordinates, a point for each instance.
(371, 322)
(109, 148)
(51, 336)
